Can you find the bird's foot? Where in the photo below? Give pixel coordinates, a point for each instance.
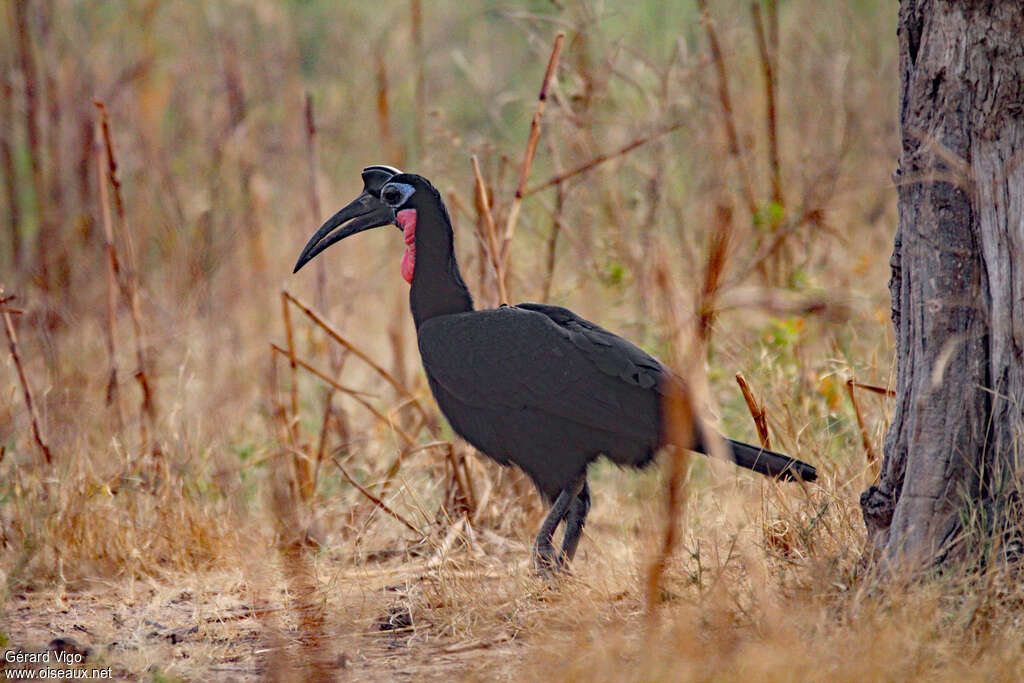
(547, 566)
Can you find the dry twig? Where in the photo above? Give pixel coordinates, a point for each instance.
(556, 228)
(314, 197)
(531, 148)
(884, 391)
(293, 390)
(377, 501)
(492, 239)
(354, 393)
(601, 158)
(12, 343)
(113, 271)
(355, 350)
(864, 437)
(731, 133)
(756, 411)
(768, 56)
(128, 281)
(335, 356)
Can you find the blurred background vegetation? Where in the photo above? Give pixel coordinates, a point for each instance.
(207, 107)
(222, 182)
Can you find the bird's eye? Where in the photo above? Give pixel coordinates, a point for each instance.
(396, 194)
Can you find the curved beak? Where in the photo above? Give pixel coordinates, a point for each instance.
(362, 214)
(367, 211)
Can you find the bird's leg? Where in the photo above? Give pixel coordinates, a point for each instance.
(543, 552)
(574, 521)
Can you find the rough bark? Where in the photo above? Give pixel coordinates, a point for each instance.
(953, 466)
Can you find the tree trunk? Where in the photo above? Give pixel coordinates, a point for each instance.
(954, 469)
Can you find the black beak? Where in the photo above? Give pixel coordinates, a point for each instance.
(367, 211)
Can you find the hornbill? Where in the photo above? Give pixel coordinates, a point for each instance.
(531, 385)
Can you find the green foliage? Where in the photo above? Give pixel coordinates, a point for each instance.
(784, 333)
(769, 215)
(613, 274)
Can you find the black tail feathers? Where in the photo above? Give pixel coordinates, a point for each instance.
(768, 463)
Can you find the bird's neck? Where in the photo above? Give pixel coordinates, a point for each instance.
(437, 286)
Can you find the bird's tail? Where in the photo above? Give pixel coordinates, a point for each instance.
(770, 463)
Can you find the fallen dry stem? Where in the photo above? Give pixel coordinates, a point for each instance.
(377, 501)
(756, 411)
(12, 344)
(531, 149)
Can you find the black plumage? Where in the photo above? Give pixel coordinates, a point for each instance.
(531, 385)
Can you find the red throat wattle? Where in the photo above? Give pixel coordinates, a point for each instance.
(406, 219)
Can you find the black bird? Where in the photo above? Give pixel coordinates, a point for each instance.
(532, 385)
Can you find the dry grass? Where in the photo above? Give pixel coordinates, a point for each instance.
(200, 531)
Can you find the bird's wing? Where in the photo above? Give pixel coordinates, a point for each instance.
(612, 354)
(547, 360)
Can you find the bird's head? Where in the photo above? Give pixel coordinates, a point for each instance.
(389, 197)
(364, 212)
